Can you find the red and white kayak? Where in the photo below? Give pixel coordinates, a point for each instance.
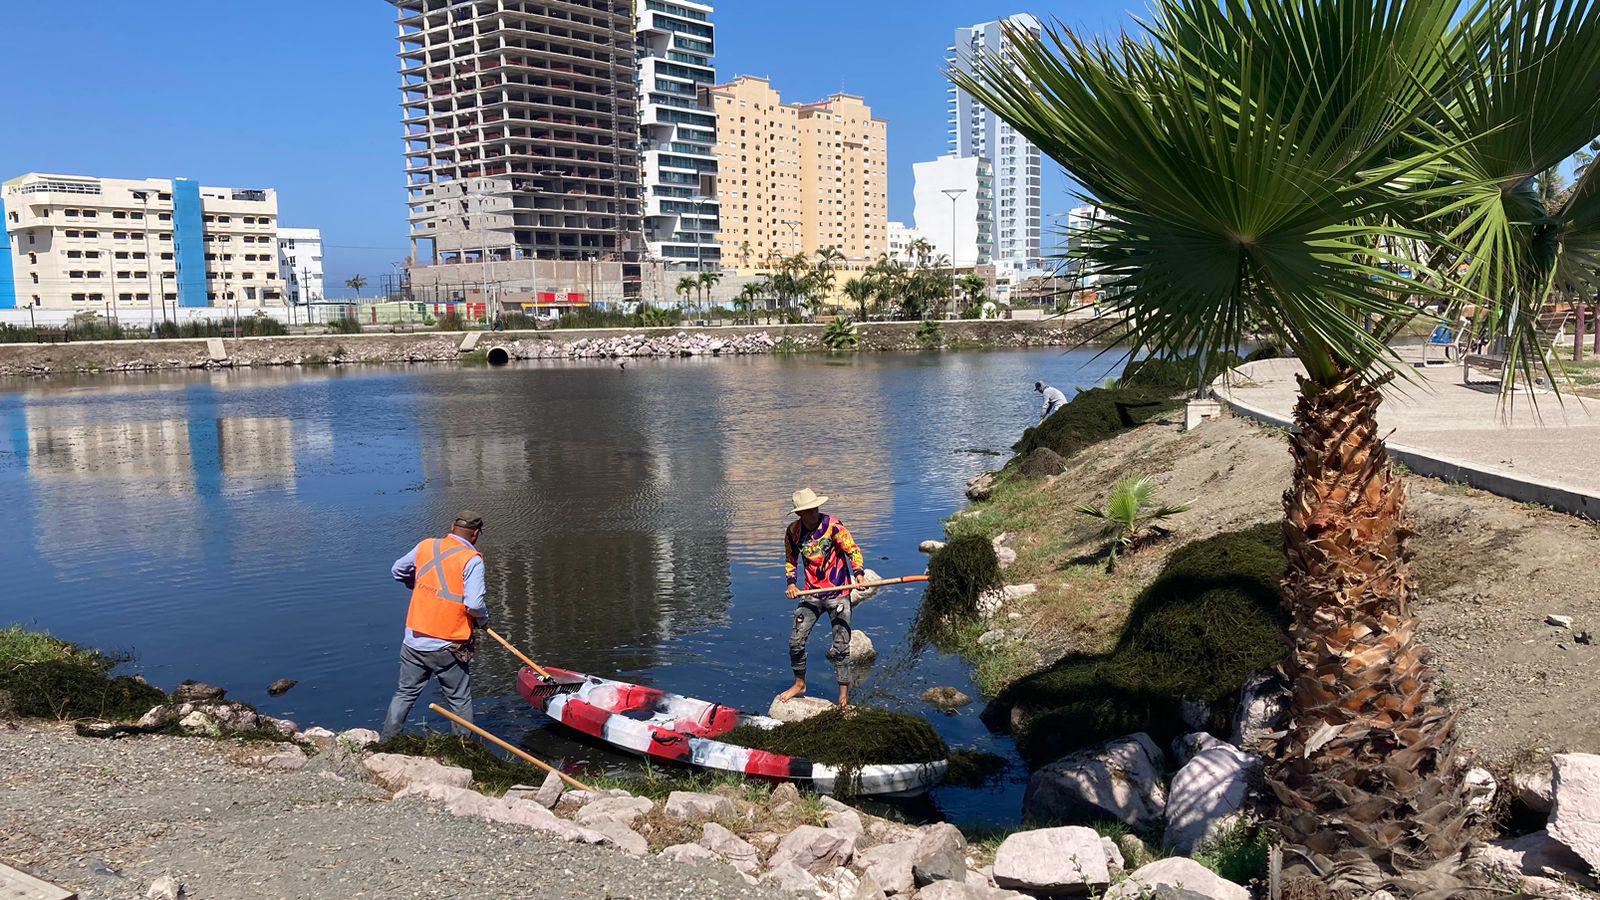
(670, 727)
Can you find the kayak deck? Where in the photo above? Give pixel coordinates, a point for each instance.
(673, 728)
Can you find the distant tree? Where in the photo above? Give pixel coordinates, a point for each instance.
(973, 288)
(860, 290)
(687, 285)
(356, 283)
(708, 280)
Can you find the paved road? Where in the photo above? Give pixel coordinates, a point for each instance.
(1540, 438)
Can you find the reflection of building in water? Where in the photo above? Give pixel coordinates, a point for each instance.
(144, 457)
(606, 533)
(256, 452)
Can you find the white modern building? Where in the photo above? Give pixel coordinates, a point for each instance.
(300, 264)
(955, 208)
(128, 248)
(977, 132)
(678, 133)
(901, 237)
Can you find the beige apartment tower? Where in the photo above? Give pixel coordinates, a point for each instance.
(798, 177)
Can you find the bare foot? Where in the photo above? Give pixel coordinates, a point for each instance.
(793, 692)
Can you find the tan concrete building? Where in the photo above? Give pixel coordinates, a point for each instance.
(798, 177)
(131, 248)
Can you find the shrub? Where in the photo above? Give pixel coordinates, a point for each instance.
(1209, 620)
(1130, 515)
(451, 321)
(930, 333)
(344, 326)
(840, 335)
(49, 678)
(957, 573)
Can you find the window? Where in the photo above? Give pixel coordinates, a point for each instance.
(74, 254)
(76, 273)
(33, 259)
(72, 234)
(122, 254)
(91, 234)
(137, 215)
(71, 213)
(119, 235)
(165, 217)
(79, 298)
(119, 214)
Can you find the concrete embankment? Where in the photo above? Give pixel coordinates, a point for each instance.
(113, 356)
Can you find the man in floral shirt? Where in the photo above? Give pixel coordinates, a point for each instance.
(819, 552)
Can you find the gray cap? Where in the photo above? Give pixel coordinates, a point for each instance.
(469, 519)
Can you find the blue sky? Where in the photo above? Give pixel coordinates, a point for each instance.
(302, 95)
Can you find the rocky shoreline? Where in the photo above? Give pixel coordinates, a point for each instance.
(35, 360)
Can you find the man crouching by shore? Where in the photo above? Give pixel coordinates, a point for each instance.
(446, 580)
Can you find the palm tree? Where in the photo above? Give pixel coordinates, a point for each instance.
(744, 254)
(687, 285)
(708, 280)
(972, 287)
(1319, 170)
(860, 290)
(1130, 516)
(746, 299)
(921, 249)
(827, 258)
(355, 283)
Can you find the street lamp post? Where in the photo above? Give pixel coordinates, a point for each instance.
(954, 194)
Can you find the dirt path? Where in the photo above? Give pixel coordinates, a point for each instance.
(106, 818)
(1488, 572)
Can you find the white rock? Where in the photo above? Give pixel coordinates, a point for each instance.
(282, 727)
(980, 486)
(630, 841)
(941, 854)
(1005, 556)
(948, 890)
(358, 738)
(1263, 705)
(1119, 779)
(848, 821)
(859, 660)
(159, 716)
(798, 709)
(692, 806)
(317, 736)
(688, 853)
(1015, 592)
(1114, 861)
(164, 888)
(199, 722)
(1533, 790)
(1185, 746)
(930, 546)
(234, 716)
(1207, 796)
(1558, 621)
(1069, 859)
(275, 758)
(1481, 786)
(890, 865)
(397, 772)
(990, 602)
(867, 888)
(862, 595)
(1575, 804)
(813, 849)
(1535, 855)
(790, 877)
(991, 637)
(550, 791)
(626, 810)
(736, 850)
(1178, 872)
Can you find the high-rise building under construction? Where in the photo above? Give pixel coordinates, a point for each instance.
(521, 132)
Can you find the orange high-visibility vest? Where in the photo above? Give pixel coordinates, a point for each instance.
(439, 596)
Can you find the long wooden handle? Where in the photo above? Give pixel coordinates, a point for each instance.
(870, 584)
(511, 747)
(518, 653)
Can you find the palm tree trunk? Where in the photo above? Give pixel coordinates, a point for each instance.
(1367, 773)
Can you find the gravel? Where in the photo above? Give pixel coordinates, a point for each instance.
(109, 817)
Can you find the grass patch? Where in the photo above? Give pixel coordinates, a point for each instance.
(1208, 621)
(1238, 854)
(48, 678)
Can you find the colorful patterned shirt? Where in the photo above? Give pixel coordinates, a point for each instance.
(829, 554)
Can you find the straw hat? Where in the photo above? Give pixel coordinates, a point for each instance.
(806, 498)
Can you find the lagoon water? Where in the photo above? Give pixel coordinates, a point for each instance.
(237, 527)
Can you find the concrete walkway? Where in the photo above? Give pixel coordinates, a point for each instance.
(1537, 449)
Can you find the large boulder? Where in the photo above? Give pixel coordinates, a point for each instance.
(947, 699)
(1575, 804)
(1119, 779)
(624, 837)
(1178, 872)
(1263, 706)
(1536, 855)
(736, 850)
(799, 709)
(1066, 860)
(791, 878)
(1207, 797)
(196, 692)
(1185, 746)
(890, 865)
(941, 854)
(691, 806)
(626, 810)
(398, 772)
(1534, 790)
(814, 849)
(688, 853)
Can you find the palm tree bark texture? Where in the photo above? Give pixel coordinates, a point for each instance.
(1367, 772)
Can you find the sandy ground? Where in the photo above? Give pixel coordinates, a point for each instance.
(106, 818)
(1488, 572)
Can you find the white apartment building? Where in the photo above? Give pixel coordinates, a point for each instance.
(300, 264)
(678, 133)
(121, 246)
(901, 237)
(959, 227)
(977, 132)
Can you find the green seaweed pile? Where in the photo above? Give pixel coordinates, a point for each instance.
(47, 678)
(848, 740)
(1210, 620)
(958, 573)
